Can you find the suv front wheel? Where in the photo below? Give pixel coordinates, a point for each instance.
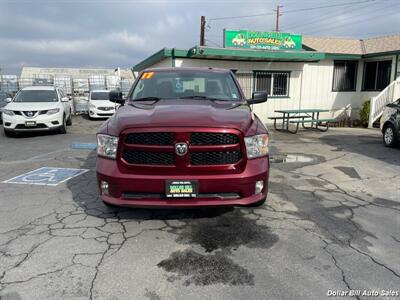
(63, 128)
(389, 136)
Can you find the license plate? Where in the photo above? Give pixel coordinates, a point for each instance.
(30, 123)
(181, 188)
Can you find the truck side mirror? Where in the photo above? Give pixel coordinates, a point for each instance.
(258, 97)
(116, 97)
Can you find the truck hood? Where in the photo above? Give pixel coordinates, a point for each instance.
(182, 113)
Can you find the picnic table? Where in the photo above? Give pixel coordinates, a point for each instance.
(302, 116)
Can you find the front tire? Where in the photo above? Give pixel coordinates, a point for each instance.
(8, 133)
(63, 128)
(109, 205)
(389, 136)
(257, 204)
(69, 121)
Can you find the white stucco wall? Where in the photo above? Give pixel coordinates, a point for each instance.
(310, 85)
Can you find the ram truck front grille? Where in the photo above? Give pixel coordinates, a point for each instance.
(203, 149)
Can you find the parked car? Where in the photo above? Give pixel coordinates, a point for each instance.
(99, 105)
(37, 108)
(3, 101)
(390, 124)
(183, 137)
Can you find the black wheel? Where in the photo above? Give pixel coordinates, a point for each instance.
(8, 133)
(69, 120)
(63, 128)
(257, 204)
(109, 205)
(389, 136)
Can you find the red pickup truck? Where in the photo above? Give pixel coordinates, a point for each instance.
(184, 137)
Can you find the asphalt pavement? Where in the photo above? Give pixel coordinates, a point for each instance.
(330, 227)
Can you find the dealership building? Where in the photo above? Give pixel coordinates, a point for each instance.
(337, 74)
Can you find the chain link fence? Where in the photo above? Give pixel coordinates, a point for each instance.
(77, 89)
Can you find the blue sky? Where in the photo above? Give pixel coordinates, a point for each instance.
(120, 33)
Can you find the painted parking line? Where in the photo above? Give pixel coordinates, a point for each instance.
(47, 176)
(88, 146)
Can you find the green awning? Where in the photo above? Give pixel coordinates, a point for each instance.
(229, 54)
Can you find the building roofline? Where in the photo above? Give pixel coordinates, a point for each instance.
(232, 54)
(199, 52)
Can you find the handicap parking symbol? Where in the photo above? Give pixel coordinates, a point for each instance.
(178, 86)
(47, 176)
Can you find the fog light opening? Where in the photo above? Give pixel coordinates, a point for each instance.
(104, 187)
(259, 187)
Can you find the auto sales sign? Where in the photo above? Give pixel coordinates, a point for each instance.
(261, 40)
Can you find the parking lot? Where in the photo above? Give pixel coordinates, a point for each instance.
(331, 224)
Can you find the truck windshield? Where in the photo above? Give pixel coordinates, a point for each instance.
(186, 84)
(36, 96)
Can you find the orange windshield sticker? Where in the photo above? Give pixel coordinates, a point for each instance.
(147, 75)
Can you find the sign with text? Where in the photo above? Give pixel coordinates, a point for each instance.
(261, 40)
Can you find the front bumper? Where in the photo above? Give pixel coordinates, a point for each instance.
(17, 123)
(97, 113)
(211, 187)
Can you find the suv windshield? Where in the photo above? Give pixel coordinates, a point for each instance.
(36, 96)
(186, 84)
(100, 96)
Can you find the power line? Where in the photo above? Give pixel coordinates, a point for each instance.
(214, 43)
(323, 17)
(242, 17)
(328, 6)
(291, 11)
(362, 20)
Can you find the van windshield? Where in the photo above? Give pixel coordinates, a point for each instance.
(100, 96)
(186, 85)
(36, 96)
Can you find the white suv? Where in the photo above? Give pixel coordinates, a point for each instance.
(37, 108)
(99, 105)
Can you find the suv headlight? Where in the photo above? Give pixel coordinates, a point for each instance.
(107, 145)
(257, 145)
(7, 112)
(53, 111)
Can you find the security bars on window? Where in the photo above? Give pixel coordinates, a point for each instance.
(275, 83)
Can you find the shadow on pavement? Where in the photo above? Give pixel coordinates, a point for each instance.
(367, 145)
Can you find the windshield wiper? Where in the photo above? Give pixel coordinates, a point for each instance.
(147, 99)
(202, 98)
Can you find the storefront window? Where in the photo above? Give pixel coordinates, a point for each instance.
(376, 75)
(344, 76)
(274, 82)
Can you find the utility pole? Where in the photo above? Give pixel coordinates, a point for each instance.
(278, 14)
(202, 30)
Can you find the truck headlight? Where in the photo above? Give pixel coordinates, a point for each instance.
(107, 145)
(257, 145)
(53, 111)
(8, 112)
